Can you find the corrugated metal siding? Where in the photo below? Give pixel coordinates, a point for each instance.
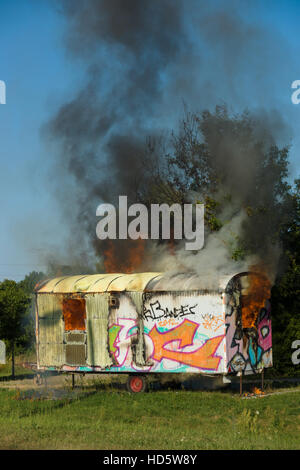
(50, 330)
(97, 330)
(137, 299)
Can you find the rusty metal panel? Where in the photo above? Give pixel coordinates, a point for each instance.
(50, 330)
(97, 330)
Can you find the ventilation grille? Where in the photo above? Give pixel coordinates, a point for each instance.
(75, 354)
(75, 338)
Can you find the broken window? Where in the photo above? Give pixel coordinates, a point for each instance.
(74, 314)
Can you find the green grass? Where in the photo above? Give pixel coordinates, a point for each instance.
(20, 372)
(5, 372)
(168, 419)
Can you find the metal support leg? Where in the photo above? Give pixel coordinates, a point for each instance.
(73, 381)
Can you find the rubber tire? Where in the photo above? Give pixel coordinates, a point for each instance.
(136, 384)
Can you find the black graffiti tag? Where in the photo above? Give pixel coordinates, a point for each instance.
(156, 311)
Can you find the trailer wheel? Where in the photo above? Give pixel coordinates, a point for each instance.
(136, 384)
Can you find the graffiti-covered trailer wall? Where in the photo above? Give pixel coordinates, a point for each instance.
(154, 322)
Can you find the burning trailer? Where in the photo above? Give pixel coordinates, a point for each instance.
(146, 323)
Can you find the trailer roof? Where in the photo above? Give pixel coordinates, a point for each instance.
(118, 282)
(97, 283)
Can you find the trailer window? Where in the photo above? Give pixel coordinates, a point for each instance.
(255, 292)
(74, 314)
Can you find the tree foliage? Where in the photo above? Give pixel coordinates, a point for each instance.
(14, 302)
(286, 291)
(17, 323)
(232, 164)
(27, 340)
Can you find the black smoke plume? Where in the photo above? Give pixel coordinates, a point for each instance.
(143, 59)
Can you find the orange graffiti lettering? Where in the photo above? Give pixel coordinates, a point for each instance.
(210, 322)
(202, 358)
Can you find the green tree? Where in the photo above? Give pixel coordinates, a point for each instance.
(31, 280)
(232, 165)
(13, 306)
(28, 284)
(286, 291)
(231, 162)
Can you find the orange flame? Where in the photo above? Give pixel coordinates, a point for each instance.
(74, 314)
(257, 391)
(126, 259)
(257, 293)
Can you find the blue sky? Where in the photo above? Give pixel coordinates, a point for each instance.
(40, 75)
(37, 77)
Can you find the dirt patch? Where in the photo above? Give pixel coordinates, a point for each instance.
(30, 383)
(62, 381)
